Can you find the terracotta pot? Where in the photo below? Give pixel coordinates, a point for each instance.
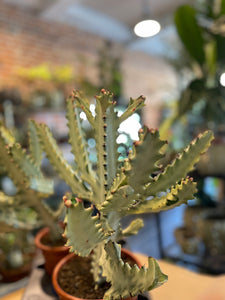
(65, 296)
(12, 275)
(51, 254)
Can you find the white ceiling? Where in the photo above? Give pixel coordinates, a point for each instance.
(114, 19)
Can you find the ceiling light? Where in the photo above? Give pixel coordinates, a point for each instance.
(222, 79)
(147, 28)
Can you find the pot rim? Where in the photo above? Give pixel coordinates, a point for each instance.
(43, 232)
(67, 258)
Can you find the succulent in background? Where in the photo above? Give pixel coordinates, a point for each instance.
(23, 167)
(114, 189)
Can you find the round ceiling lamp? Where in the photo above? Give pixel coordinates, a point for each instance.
(222, 79)
(147, 28)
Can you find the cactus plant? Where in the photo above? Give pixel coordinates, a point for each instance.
(114, 189)
(32, 187)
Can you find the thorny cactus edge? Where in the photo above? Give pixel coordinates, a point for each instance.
(136, 186)
(23, 166)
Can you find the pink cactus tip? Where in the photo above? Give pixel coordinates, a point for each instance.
(68, 203)
(65, 199)
(78, 200)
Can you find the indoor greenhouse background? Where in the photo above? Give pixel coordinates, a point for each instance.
(48, 48)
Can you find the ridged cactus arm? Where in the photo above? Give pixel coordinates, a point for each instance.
(103, 102)
(4, 227)
(31, 186)
(127, 281)
(118, 181)
(180, 166)
(33, 172)
(24, 198)
(120, 201)
(97, 256)
(25, 162)
(84, 105)
(179, 194)
(10, 215)
(83, 230)
(21, 199)
(76, 139)
(133, 228)
(7, 136)
(57, 160)
(5, 200)
(56, 213)
(35, 201)
(17, 175)
(35, 149)
(9, 223)
(134, 105)
(111, 145)
(148, 147)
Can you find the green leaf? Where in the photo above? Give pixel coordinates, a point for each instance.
(222, 11)
(174, 172)
(179, 194)
(190, 32)
(211, 57)
(83, 230)
(127, 281)
(192, 94)
(220, 41)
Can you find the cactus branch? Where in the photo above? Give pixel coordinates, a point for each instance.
(179, 194)
(181, 166)
(63, 168)
(78, 143)
(132, 280)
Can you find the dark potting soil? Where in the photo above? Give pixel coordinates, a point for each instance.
(48, 242)
(76, 279)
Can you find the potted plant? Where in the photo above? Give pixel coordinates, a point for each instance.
(17, 248)
(17, 251)
(24, 168)
(115, 189)
(201, 105)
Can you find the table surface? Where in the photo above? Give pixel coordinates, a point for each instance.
(181, 285)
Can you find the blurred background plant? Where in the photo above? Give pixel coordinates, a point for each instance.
(200, 106)
(17, 230)
(201, 102)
